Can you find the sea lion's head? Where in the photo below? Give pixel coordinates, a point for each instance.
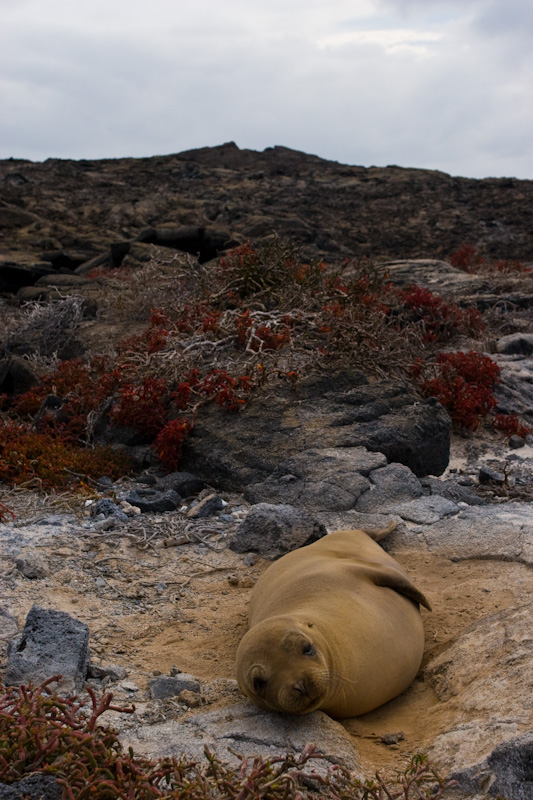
(281, 666)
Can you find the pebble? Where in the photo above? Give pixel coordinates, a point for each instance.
(129, 686)
(488, 475)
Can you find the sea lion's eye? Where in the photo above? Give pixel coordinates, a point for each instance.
(308, 649)
(259, 685)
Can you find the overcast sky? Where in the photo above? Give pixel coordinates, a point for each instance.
(438, 84)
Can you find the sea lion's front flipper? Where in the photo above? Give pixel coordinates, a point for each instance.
(394, 579)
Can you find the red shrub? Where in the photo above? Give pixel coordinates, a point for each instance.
(169, 442)
(466, 258)
(26, 455)
(259, 337)
(439, 319)
(464, 386)
(143, 406)
(469, 259)
(510, 425)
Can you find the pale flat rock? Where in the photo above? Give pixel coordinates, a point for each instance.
(496, 532)
(247, 730)
(477, 679)
(424, 510)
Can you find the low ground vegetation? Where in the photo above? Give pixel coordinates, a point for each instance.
(64, 737)
(222, 332)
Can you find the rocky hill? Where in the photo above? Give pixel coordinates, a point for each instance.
(83, 207)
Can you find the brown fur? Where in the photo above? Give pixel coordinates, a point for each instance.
(332, 626)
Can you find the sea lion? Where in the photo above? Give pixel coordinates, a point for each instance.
(334, 626)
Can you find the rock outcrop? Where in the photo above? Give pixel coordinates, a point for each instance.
(340, 411)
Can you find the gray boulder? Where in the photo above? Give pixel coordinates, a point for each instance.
(488, 744)
(516, 344)
(453, 491)
(514, 393)
(389, 487)
(273, 530)
(51, 643)
(16, 376)
(395, 490)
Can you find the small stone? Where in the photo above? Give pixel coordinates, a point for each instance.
(111, 671)
(393, 738)
(129, 686)
(190, 699)
(515, 442)
(273, 530)
(488, 475)
(105, 482)
(250, 559)
(33, 567)
(105, 524)
(107, 508)
(129, 509)
(184, 483)
(151, 501)
(147, 480)
(167, 686)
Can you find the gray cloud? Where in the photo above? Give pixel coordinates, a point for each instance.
(397, 84)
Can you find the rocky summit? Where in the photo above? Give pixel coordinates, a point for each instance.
(62, 213)
(204, 412)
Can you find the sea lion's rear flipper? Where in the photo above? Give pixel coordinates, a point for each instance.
(394, 579)
(377, 534)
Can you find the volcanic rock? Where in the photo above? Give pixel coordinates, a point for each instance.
(336, 411)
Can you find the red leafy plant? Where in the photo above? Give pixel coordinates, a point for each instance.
(81, 386)
(258, 337)
(510, 425)
(45, 459)
(142, 406)
(469, 259)
(440, 321)
(169, 442)
(42, 732)
(464, 384)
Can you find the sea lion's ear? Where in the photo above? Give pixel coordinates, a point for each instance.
(394, 579)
